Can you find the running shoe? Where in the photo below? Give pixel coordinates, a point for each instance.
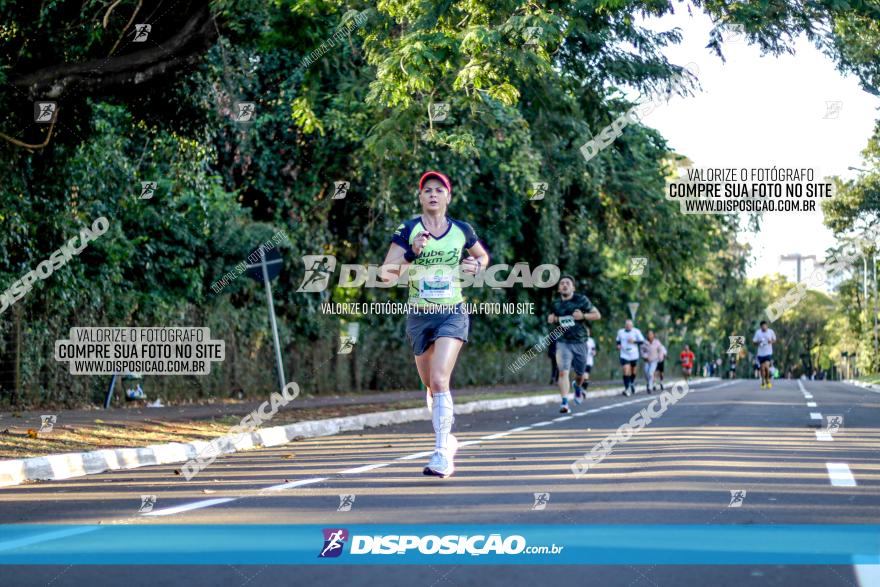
(564, 409)
(763, 385)
(441, 463)
(769, 385)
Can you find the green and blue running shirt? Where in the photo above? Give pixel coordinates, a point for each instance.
(433, 274)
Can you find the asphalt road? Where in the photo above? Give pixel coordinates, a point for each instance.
(722, 437)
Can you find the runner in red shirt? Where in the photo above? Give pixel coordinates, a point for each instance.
(686, 358)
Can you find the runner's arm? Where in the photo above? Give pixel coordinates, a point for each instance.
(394, 264)
(478, 260)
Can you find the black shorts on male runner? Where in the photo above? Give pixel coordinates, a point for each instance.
(660, 366)
(765, 359)
(630, 362)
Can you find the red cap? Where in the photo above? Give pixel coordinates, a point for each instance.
(443, 179)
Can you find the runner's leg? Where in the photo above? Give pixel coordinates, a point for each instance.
(423, 364)
(445, 353)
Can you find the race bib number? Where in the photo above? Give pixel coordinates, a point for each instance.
(566, 321)
(435, 287)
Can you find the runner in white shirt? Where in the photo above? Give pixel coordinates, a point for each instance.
(764, 338)
(628, 340)
(652, 351)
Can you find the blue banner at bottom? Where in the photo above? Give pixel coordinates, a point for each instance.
(438, 544)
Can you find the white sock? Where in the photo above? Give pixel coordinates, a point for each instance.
(441, 416)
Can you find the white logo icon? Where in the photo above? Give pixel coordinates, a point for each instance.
(541, 501)
(340, 189)
(345, 503)
(736, 344)
(539, 190)
(47, 423)
(147, 503)
(438, 111)
(44, 112)
(141, 32)
(532, 34)
(737, 496)
(833, 424)
(832, 109)
(245, 111)
(319, 268)
(637, 265)
(346, 345)
(148, 190)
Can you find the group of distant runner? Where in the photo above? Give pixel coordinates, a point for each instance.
(431, 249)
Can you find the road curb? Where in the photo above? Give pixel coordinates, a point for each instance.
(863, 385)
(69, 465)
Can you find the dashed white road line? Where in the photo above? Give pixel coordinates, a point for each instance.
(815, 416)
(823, 435)
(840, 475)
(811, 404)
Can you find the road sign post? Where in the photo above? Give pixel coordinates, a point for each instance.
(266, 270)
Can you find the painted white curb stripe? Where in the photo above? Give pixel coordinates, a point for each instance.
(840, 475)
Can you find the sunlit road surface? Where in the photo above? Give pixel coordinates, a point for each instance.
(769, 448)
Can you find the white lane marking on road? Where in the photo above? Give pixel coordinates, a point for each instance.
(520, 429)
(808, 395)
(299, 483)
(211, 502)
(420, 455)
(801, 386)
(811, 404)
(840, 475)
(815, 416)
(824, 435)
(197, 505)
(867, 575)
(362, 469)
(44, 537)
